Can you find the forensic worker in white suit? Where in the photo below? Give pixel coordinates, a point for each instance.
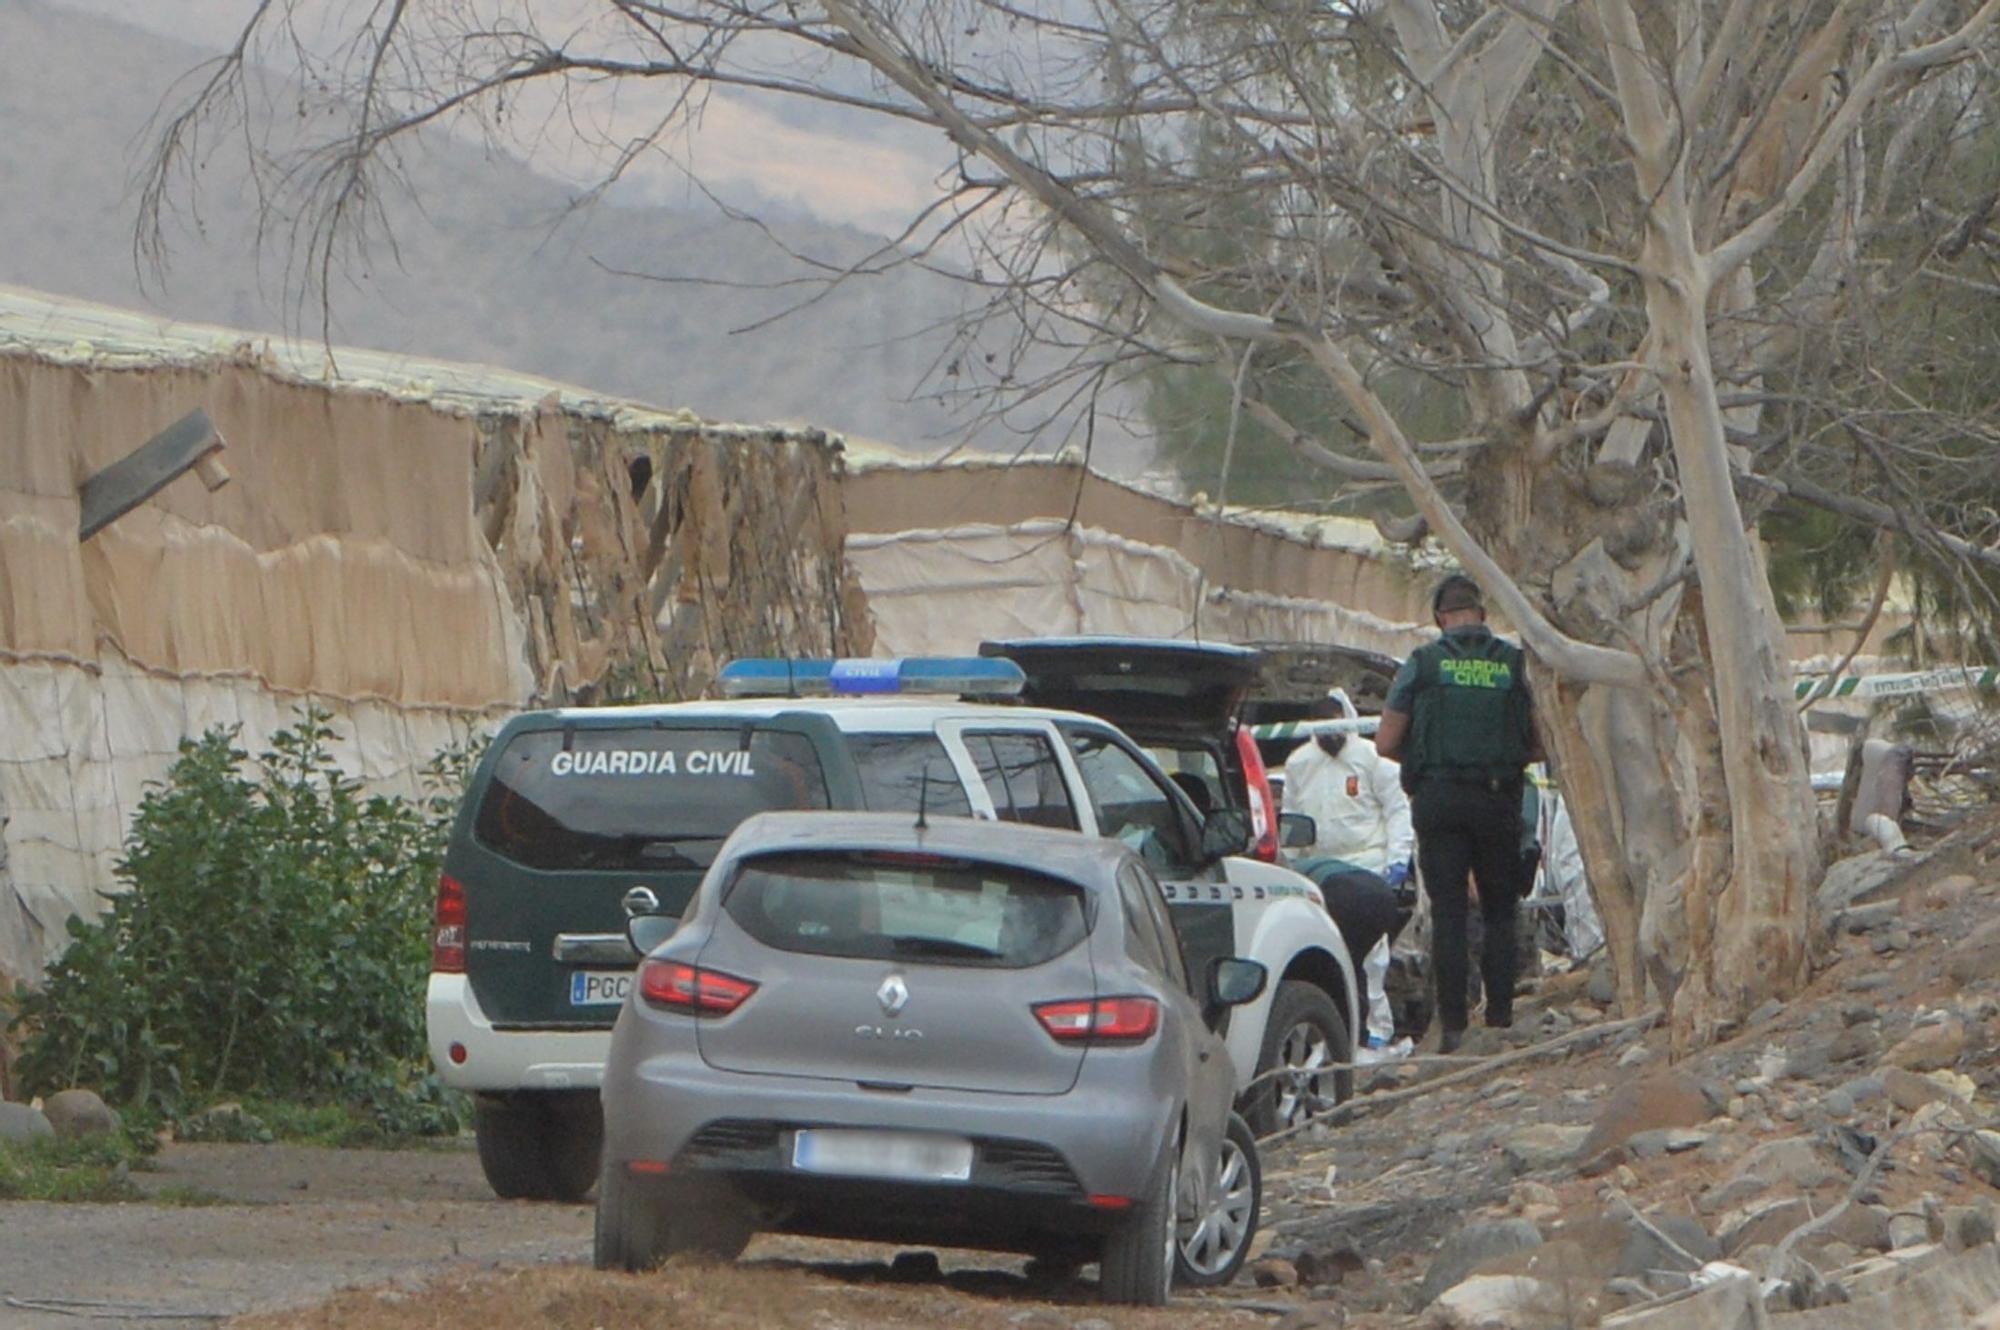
(1363, 847)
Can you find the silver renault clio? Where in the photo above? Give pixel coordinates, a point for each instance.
(950, 1033)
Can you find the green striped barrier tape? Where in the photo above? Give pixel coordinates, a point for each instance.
(1822, 686)
(1818, 687)
(1305, 729)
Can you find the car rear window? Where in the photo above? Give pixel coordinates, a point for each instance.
(912, 908)
(640, 799)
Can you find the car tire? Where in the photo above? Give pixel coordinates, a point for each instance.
(1136, 1268)
(1304, 1029)
(631, 1228)
(574, 1146)
(1212, 1247)
(509, 1132)
(539, 1147)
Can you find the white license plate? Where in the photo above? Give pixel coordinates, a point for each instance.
(897, 1155)
(599, 988)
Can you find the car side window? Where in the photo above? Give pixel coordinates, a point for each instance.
(1022, 779)
(1132, 805)
(905, 772)
(1141, 893)
(1198, 774)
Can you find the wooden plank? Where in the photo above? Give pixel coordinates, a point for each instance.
(150, 468)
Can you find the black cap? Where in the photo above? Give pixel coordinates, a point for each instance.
(1457, 592)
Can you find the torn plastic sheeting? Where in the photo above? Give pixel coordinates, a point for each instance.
(84, 335)
(939, 589)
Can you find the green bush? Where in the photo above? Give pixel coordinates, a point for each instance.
(272, 939)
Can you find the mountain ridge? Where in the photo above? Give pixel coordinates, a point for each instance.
(489, 262)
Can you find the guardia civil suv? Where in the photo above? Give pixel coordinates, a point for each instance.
(577, 818)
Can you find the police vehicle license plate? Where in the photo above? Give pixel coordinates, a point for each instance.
(599, 988)
(903, 1156)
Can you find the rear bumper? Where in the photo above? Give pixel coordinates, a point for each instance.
(1040, 1153)
(1021, 1194)
(505, 1059)
(990, 1218)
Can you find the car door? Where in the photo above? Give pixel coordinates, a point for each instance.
(1133, 802)
(1155, 943)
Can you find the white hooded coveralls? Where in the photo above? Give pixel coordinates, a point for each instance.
(1356, 799)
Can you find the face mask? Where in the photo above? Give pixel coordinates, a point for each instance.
(1331, 744)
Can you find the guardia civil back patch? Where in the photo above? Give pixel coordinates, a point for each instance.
(1476, 673)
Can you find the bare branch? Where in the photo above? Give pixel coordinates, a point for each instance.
(1568, 657)
(1889, 68)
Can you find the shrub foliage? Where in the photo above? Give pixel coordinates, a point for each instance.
(272, 939)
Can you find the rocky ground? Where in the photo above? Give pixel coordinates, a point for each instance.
(1830, 1165)
(1836, 1148)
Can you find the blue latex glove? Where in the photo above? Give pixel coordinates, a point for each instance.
(1398, 874)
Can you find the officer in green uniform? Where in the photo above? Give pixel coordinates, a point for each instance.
(1460, 720)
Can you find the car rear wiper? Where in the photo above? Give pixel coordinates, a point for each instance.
(942, 946)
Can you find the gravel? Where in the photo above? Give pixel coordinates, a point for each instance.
(294, 1224)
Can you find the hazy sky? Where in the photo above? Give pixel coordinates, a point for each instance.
(752, 151)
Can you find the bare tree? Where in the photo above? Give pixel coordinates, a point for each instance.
(1627, 239)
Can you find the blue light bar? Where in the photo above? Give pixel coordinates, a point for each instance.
(959, 676)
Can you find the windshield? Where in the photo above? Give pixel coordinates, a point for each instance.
(906, 907)
(639, 799)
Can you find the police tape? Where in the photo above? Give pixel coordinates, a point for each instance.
(1825, 687)
(1305, 729)
(1818, 687)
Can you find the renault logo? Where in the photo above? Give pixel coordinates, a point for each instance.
(894, 994)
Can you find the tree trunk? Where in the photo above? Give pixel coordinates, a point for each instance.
(1750, 918)
(1731, 928)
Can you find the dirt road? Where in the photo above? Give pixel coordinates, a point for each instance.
(290, 1227)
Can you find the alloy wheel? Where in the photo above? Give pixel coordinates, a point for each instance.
(1305, 1059)
(1209, 1243)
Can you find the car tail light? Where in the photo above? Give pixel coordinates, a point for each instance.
(1119, 1020)
(691, 989)
(1263, 808)
(448, 927)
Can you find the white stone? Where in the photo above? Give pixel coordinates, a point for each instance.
(1495, 1302)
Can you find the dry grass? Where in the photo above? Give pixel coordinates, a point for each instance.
(753, 1296)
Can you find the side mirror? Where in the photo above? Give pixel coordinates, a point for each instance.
(647, 931)
(1224, 832)
(1235, 981)
(1297, 831)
